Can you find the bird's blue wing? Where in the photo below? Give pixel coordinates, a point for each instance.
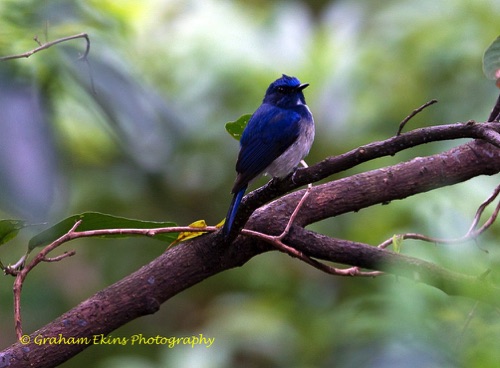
(269, 133)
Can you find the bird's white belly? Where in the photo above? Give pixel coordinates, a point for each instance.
(291, 158)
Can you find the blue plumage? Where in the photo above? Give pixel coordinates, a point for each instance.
(278, 136)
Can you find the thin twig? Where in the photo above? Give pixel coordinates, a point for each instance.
(37, 40)
(21, 276)
(46, 45)
(278, 244)
(471, 234)
(481, 209)
(59, 257)
(488, 222)
(147, 232)
(299, 205)
(72, 235)
(413, 113)
(296, 211)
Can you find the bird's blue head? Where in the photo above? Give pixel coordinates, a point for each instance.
(285, 92)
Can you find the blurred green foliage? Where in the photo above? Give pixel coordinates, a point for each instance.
(140, 134)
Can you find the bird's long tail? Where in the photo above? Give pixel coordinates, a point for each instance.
(233, 210)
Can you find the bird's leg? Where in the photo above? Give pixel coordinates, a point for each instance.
(309, 186)
(297, 208)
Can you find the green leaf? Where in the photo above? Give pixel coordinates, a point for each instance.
(397, 243)
(100, 221)
(235, 128)
(491, 60)
(9, 229)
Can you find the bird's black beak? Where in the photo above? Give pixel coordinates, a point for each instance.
(302, 86)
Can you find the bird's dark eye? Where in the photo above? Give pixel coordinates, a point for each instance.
(281, 90)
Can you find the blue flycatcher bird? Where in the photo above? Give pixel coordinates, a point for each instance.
(277, 137)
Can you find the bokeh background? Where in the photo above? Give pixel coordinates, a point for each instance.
(139, 132)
